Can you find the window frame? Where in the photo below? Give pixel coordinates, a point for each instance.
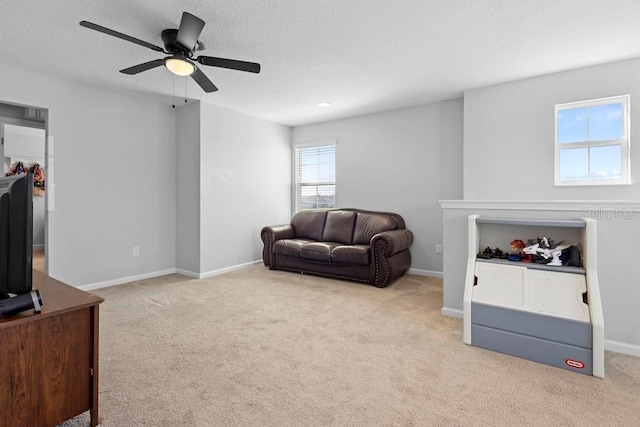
(294, 171)
(623, 142)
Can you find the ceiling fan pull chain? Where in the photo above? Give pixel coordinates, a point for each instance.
(185, 90)
(173, 79)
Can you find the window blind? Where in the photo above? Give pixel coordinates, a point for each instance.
(315, 176)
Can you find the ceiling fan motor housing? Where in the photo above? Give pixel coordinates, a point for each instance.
(172, 46)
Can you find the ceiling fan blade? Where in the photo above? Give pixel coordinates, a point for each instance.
(143, 67)
(190, 28)
(232, 64)
(113, 33)
(204, 82)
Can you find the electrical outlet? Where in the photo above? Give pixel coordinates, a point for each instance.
(439, 249)
(136, 251)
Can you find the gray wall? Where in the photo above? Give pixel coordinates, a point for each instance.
(509, 134)
(509, 155)
(245, 184)
(39, 142)
(188, 188)
(401, 161)
(115, 178)
(121, 182)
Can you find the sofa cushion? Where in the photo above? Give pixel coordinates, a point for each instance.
(339, 227)
(289, 247)
(318, 251)
(309, 224)
(351, 254)
(370, 224)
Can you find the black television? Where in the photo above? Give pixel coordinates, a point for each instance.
(16, 234)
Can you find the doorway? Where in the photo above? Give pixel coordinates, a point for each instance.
(23, 146)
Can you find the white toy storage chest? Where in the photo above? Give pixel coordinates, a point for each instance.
(551, 315)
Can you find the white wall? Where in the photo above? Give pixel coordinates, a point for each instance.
(401, 161)
(115, 178)
(24, 143)
(508, 155)
(245, 184)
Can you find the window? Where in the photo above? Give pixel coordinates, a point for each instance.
(315, 175)
(592, 142)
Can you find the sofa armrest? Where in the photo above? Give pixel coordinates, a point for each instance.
(392, 242)
(270, 235)
(390, 256)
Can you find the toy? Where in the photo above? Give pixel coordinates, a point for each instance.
(488, 253)
(38, 176)
(545, 248)
(571, 256)
(17, 169)
(516, 253)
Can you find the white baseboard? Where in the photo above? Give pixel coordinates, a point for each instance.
(188, 273)
(429, 273)
(452, 312)
(622, 347)
(151, 275)
(615, 346)
(124, 280)
(228, 269)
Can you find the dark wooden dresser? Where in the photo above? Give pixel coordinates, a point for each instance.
(49, 361)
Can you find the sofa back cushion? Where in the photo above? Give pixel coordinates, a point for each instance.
(370, 224)
(348, 226)
(309, 224)
(339, 227)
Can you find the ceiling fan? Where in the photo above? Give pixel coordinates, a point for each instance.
(180, 45)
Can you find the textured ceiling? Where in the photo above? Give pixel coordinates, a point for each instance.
(361, 55)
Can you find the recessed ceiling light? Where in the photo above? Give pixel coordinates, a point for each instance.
(324, 104)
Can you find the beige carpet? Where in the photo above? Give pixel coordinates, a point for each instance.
(265, 348)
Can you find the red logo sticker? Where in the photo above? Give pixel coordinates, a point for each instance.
(574, 364)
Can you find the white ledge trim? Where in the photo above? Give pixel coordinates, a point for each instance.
(542, 205)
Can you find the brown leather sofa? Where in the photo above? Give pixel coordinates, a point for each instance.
(352, 244)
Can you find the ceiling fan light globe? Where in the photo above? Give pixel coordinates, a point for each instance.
(179, 66)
